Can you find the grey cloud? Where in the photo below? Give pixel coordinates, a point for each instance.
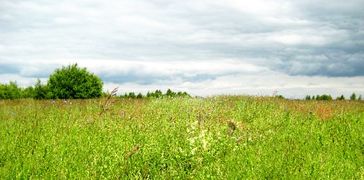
(145, 73)
(27, 70)
(155, 79)
(311, 38)
(9, 69)
(335, 65)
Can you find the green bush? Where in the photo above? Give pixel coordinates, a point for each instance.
(13, 91)
(353, 97)
(341, 98)
(28, 92)
(169, 93)
(156, 94)
(132, 95)
(324, 97)
(308, 97)
(10, 91)
(41, 91)
(72, 82)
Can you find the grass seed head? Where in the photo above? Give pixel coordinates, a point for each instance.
(231, 127)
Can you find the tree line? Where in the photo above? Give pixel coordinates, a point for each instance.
(68, 82)
(13, 91)
(41, 91)
(156, 94)
(72, 82)
(326, 97)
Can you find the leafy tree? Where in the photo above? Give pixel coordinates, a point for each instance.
(318, 97)
(10, 91)
(359, 98)
(186, 94)
(28, 92)
(308, 97)
(41, 91)
(340, 98)
(324, 97)
(353, 97)
(183, 94)
(139, 96)
(156, 94)
(131, 95)
(2, 91)
(170, 93)
(15, 91)
(124, 96)
(72, 82)
(327, 97)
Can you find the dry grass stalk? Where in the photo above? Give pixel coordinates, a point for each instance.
(108, 102)
(324, 113)
(132, 151)
(200, 120)
(231, 127)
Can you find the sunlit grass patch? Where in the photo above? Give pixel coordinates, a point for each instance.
(218, 137)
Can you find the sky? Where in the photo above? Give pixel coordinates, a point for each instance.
(204, 47)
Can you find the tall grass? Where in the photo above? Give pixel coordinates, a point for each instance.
(182, 138)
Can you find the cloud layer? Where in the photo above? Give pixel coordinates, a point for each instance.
(225, 46)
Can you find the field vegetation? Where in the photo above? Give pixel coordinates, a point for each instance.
(227, 137)
(57, 131)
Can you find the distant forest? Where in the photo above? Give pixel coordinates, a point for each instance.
(73, 82)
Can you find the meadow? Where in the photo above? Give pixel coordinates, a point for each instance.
(227, 137)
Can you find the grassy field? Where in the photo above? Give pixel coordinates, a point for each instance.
(182, 138)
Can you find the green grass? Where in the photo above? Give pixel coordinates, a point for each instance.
(182, 138)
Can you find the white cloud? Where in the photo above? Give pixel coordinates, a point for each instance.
(298, 39)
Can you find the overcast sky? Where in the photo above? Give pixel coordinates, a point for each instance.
(205, 47)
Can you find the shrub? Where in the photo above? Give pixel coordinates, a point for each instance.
(41, 91)
(170, 93)
(131, 95)
(72, 82)
(28, 92)
(139, 96)
(157, 94)
(308, 97)
(324, 97)
(342, 97)
(353, 97)
(183, 94)
(10, 91)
